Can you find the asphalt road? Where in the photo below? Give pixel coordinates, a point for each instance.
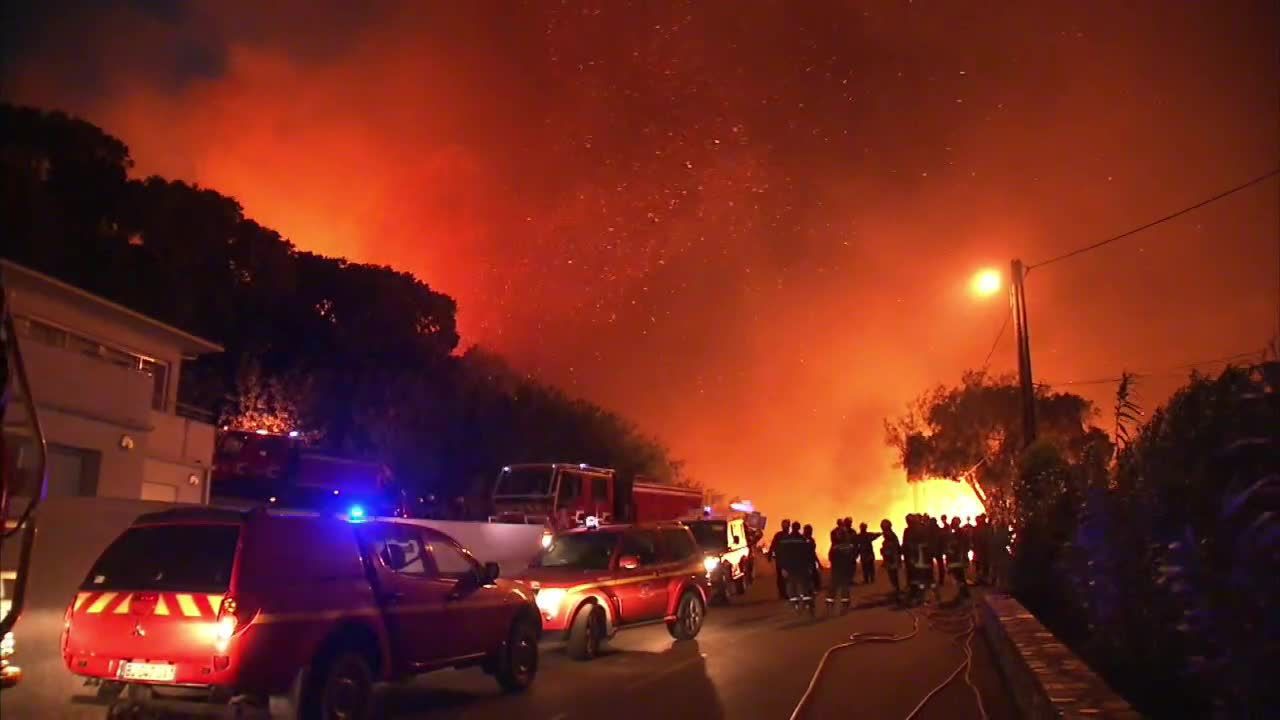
(753, 659)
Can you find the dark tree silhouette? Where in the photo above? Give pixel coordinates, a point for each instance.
(361, 355)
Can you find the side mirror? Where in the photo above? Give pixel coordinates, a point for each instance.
(491, 571)
(628, 562)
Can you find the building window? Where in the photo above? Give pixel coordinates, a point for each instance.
(72, 472)
(54, 336)
(159, 373)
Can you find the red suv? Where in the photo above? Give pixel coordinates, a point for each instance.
(214, 606)
(591, 582)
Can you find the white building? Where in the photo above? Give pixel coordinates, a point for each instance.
(105, 381)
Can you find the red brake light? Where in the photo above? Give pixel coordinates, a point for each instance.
(227, 624)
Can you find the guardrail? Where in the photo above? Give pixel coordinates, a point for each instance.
(1046, 679)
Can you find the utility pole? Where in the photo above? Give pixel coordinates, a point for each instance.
(1018, 303)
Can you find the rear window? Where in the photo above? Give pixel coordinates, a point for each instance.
(678, 544)
(190, 558)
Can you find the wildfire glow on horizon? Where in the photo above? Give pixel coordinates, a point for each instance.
(750, 228)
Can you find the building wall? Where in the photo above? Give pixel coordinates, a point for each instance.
(72, 382)
(99, 416)
(100, 324)
(119, 469)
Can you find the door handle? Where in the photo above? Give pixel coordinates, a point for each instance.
(392, 598)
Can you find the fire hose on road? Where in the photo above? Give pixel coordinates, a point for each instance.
(945, 620)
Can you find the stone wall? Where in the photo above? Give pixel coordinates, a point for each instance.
(1046, 679)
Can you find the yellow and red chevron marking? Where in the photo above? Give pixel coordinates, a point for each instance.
(189, 605)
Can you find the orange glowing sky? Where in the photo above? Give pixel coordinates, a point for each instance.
(750, 227)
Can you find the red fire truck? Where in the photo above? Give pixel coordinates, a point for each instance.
(278, 469)
(562, 495)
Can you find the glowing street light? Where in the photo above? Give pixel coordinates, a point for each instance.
(986, 282)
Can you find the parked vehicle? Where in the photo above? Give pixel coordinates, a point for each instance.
(10, 674)
(727, 555)
(562, 495)
(20, 529)
(205, 606)
(592, 582)
(279, 469)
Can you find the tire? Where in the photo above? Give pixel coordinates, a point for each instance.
(586, 635)
(689, 616)
(740, 586)
(517, 663)
(341, 688)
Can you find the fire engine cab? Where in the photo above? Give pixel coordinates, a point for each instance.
(563, 495)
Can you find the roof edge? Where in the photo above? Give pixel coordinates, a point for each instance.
(194, 342)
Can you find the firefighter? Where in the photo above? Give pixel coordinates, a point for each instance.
(843, 560)
(938, 541)
(867, 553)
(1001, 537)
(917, 543)
(958, 557)
(982, 550)
(773, 554)
(891, 551)
(813, 555)
(795, 564)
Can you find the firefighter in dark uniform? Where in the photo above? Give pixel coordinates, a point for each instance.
(813, 553)
(958, 557)
(773, 558)
(917, 543)
(938, 540)
(843, 557)
(795, 563)
(982, 550)
(867, 553)
(891, 551)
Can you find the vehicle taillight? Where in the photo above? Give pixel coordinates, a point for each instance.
(227, 624)
(66, 628)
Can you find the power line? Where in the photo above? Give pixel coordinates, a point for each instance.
(1003, 326)
(1153, 223)
(1165, 371)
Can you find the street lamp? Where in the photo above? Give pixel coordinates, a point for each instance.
(986, 283)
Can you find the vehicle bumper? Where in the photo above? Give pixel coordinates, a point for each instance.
(188, 674)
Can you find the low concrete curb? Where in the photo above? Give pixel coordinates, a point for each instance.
(1045, 677)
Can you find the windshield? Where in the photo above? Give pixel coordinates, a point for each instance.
(710, 535)
(524, 481)
(190, 558)
(587, 551)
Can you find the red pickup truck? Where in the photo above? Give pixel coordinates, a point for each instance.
(202, 606)
(593, 581)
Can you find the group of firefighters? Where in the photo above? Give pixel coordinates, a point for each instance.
(929, 550)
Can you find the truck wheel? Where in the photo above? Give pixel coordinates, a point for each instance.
(518, 660)
(689, 615)
(586, 635)
(342, 689)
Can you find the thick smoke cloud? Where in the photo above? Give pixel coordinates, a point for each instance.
(748, 226)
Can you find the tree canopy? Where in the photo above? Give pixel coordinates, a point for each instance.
(363, 356)
(973, 432)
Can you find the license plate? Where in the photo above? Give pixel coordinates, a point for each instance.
(154, 672)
